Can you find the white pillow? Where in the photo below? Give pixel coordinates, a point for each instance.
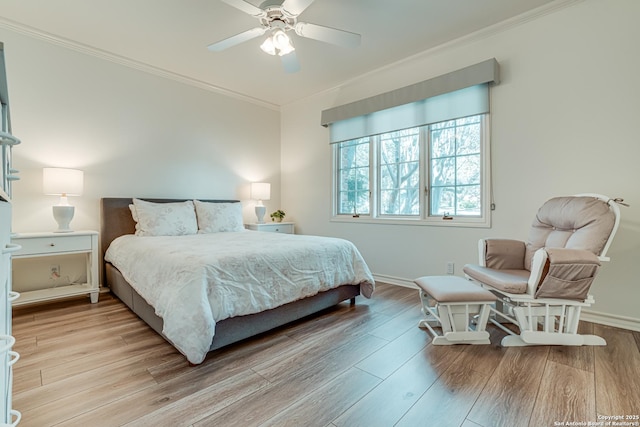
(219, 217)
(164, 219)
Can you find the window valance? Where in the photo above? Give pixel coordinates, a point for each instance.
(453, 95)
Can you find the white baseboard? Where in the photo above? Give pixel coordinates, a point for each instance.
(607, 319)
(395, 281)
(600, 318)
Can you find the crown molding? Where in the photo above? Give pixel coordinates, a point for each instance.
(128, 62)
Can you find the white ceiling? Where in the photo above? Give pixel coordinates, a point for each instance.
(172, 36)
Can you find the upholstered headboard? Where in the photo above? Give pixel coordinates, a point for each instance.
(116, 219)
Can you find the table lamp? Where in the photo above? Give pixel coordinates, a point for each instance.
(260, 191)
(62, 182)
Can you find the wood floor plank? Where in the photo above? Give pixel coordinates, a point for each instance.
(580, 357)
(317, 353)
(72, 368)
(390, 400)
(302, 379)
(567, 394)
(617, 366)
(399, 324)
(382, 363)
(62, 410)
(203, 402)
(156, 397)
(484, 358)
(510, 393)
(102, 377)
(62, 351)
(449, 400)
(26, 380)
(334, 398)
(636, 335)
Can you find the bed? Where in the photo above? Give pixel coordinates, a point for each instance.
(201, 298)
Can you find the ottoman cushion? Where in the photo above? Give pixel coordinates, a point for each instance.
(453, 289)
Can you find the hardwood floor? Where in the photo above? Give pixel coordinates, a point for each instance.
(365, 365)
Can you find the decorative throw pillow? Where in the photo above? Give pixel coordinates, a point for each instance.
(219, 217)
(164, 219)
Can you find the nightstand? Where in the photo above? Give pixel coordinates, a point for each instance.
(51, 244)
(272, 227)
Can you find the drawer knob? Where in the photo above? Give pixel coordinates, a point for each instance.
(52, 244)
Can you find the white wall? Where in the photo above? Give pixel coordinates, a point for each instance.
(564, 121)
(133, 134)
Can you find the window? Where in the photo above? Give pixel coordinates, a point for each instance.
(427, 174)
(418, 153)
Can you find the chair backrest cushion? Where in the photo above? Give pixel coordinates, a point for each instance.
(573, 222)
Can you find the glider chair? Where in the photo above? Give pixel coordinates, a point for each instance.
(543, 284)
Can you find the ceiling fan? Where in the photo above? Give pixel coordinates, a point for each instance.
(278, 17)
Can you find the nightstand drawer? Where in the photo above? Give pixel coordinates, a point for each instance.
(273, 227)
(281, 228)
(48, 245)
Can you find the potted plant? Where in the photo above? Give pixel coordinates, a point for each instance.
(277, 216)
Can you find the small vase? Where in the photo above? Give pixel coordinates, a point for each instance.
(278, 219)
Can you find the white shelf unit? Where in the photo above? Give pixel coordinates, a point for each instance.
(8, 415)
(51, 244)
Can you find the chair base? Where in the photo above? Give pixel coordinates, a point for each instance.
(528, 338)
(450, 338)
(542, 322)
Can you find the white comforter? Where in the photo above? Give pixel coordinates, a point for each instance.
(194, 281)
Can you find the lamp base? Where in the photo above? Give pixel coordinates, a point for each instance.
(63, 216)
(260, 211)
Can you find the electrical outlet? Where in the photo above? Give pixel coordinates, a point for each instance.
(54, 272)
(450, 267)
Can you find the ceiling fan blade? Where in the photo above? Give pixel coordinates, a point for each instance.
(245, 7)
(327, 34)
(237, 39)
(296, 7)
(290, 62)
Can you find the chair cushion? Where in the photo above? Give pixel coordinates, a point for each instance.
(512, 281)
(574, 222)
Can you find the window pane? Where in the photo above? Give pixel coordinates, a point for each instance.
(399, 172)
(456, 167)
(468, 140)
(363, 203)
(468, 170)
(443, 143)
(442, 200)
(443, 171)
(400, 202)
(353, 185)
(346, 180)
(387, 177)
(468, 200)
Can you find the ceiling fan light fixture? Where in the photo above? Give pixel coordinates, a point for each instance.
(268, 47)
(282, 42)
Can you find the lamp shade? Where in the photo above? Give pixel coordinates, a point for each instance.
(59, 181)
(260, 191)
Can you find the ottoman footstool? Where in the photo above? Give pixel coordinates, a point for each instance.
(449, 302)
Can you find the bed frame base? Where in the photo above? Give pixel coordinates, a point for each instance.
(234, 329)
